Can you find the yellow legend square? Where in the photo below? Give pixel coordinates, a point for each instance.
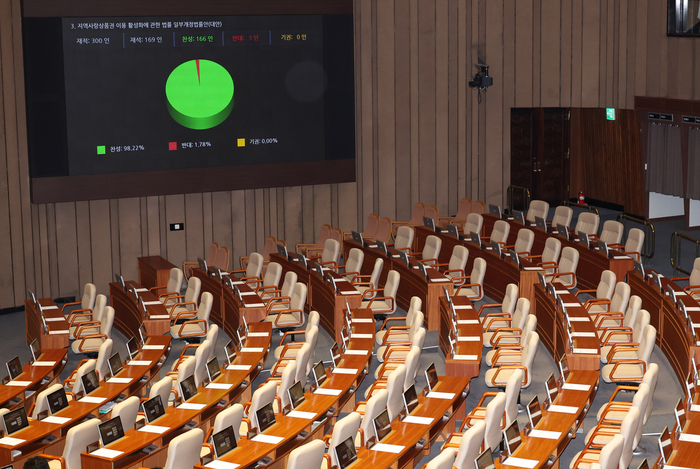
(241, 142)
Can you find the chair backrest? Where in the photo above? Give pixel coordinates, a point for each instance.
(610, 454)
(552, 249)
(183, 450)
(478, 273)
(261, 397)
(302, 356)
(212, 253)
(394, 388)
(83, 369)
(411, 361)
(107, 322)
(646, 345)
(41, 402)
(641, 402)
(99, 308)
(161, 388)
(88, 299)
(201, 356)
(643, 320)
(298, 296)
(337, 234)
(530, 323)
(633, 307)
(458, 259)
(500, 231)
(273, 275)
(443, 460)
(77, 440)
(416, 324)
(269, 248)
(383, 230)
(464, 208)
(290, 279)
(612, 232)
(103, 354)
(418, 339)
(475, 222)
(230, 417)
(345, 428)
(417, 214)
(288, 375)
(538, 208)
(404, 237)
(212, 336)
(311, 338)
(431, 211)
(375, 404)
(525, 240)
(174, 282)
(635, 240)
(371, 226)
(222, 258)
(185, 369)
(478, 207)
(255, 265)
(510, 299)
(519, 316)
(628, 429)
(651, 377)
(376, 272)
(606, 285)
(323, 234)
(414, 306)
(313, 319)
(127, 410)
(568, 263)
(694, 279)
(204, 310)
(356, 257)
(391, 286)
(528, 355)
(470, 446)
(588, 223)
(562, 216)
(331, 251)
(620, 298)
(513, 387)
(432, 248)
(492, 419)
(307, 456)
(194, 286)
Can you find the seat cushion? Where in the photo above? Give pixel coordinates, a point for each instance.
(632, 372)
(396, 336)
(381, 350)
(469, 291)
(188, 330)
(503, 377)
(89, 344)
(614, 416)
(54, 464)
(583, 465)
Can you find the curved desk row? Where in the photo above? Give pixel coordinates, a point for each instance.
(128, 316)
(36, 376)
(55, 335)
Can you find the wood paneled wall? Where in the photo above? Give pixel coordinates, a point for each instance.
(422, 135)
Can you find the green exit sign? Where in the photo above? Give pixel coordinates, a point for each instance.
(610, 113)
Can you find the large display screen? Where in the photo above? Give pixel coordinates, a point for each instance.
(115, 95)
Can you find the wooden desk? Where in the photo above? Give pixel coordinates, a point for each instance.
(461, 366)
(38, 433)
(154, 271)
(40, 376)
(128, 316)
(57, 334)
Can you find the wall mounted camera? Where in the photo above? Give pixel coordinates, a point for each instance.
(481, 80)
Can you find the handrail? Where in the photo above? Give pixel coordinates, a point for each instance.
(649, 248)
(576, 204)
(526, 196)
(676, 239)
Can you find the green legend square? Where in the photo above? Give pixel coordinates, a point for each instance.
(100, 149)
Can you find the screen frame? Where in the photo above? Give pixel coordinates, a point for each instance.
(48, 400)
(228, 431)
(182, 388)
(264, 409)
(14, 361)
(22, 412)
(120, 430)
(146, 412)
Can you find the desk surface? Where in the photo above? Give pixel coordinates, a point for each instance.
(38, 377)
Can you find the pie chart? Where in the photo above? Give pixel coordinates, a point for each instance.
(199, 94)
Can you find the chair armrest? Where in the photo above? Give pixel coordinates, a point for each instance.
(185, 315)
(86, 325)
(534, 256)
(564, 274)
(392, 349)
(72, 317)
(368, 293)
(614, 331)
(585, 291)
(392, 319)
(608, 316)
(70, 304)
(483, 398)
(467, 285)
(55, 458)
(499, 335)
(280, 300)
(181, 332)
(627, 362)
(673, 279)
(491, 305)
(449, 443)
(597, 301)
(489, 319)
(377, 298)
(508, 367)
(91, 336)
(292, 333)
(630, 347)
(289, 311)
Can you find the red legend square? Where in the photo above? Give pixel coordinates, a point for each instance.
(172, 146)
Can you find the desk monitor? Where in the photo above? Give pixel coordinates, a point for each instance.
(495, 210)
(695, 366)
(345, 453)
(404, 258)
(357, 237)
(153, 409)
(679, 413)
(381, 245)
(410, 399)
(643, 465)
(563, 231)
(319, 373)
(132, 348)
(542, 279)
(690, 385)
(14, 368)
(639, 268)
(429, 223)
(335, 355)
(237, 292)
(32, 297)
(603, 247)
(564, 367)
(496, 246)
(120, 281)
(202, 265)
(514, 258)
(331, 280)
(213, 369)
(282, 250)
(115, 364)
(382, 425)
(187, 388)
(672, 294)
(431, 376)
(344, 337)
(318, 269)
(57, 401)
(143, 334)
(541, 223)
(665, 445)
(511, 437)
(534, 412)
(142, 306)
(446, 293)
(296, 394)
(90, 382)
(452, 230)
(519, 216)
(485, 460)
(552, 291)
(230, 351)
(423, 271)
(551, 387)
(302, 260)
(241, 334)
(348, 310)
(583, 238)
(132, 290)
(35, 349)
(657, 281)
(476, 238)
(15, 420)
(217, 273)
(348, 323)
(111, 431)
(223, 441)
(265, 416)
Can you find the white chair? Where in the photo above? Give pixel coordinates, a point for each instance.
(312, 321)
(624, 331)
(185, 369)
(302, 357)
(353, 264)
(293, 315)
(310, 455)
(368, 287)
(345, 428)
(634, 244)
(201, 355)
(588, 223)
(230, 417)
(78, 316)
(474, 224)
(161, 388)
(606, 458)
(562, 216)
(475, 289)
(274, 298)
(291, 351)
(103, 354)
(627, 364)
(253, 269)
(398, 334)
(261, 397)
(444, 460)
(469, 444)
(492, 321)
(693, 287)
(612, 232)
(384, 305)
(455, 268)
(127, 410)
(403, 241)
(600, 310)
(499, 233)
(411, 361)
(509, 337)
(603, 293)
(550, 255)
(431, 250)
(196, 323)
(538, 208)
(287, 379)
(463, 209)
(269, 282)
(330, 255)
(74, 384)
(185, 303)
(370, 410)
(190, 349)
(640, 401)
(184, 450)
(394, 390)
(523, 243)
(626, 430)
(77, 439)
(615, 411)
(414, 306)
(87, 302)
(41, 404)
(565, 273)
(512, 392)
(92, 334)
(399, 350)
(172, 288)
(497, 377)
(492, 420)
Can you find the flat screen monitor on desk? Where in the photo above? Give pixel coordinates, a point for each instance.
(514, 258)
(14, 368)
(564, 367)
(511, 437)
(485, 460)
(230, 350)
(90, 382)
(132, 348)
(187, 388)
(345, 453)
(404, 257)
(563, 231)
(495, 210)
(335, 355)
(639, 268)
(452, 230)
(115, 364)
(534, 412)
(476, 238)
(665, 446)
(603, 247)
(282, 250)
(111, 431)
(381, 245)
(143, 334)
(541, 223)
(15, 420)
(120, 281)
(319, 373)
(202, 265)
(265, 416)
(302, 260)
(496, 246)
(431, 376)
(213, 369)
(551, 387)
(357, 237)
(296, 394)
(57, 401)
(382, 425)
(153, 409)
(519, 216)
(429, 223)
(410, 399)
(583, 238)
(223, 441)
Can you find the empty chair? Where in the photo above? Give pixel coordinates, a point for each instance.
(161, 388)
(373, 407)
(498, 377)
(416, 219)
(394, 388)
(103, 354)
(74, 384)
(502, 315)
(368, 285)
(127, 410)
(478, 207)
(588, 223)
(177, 304)
(469, 444)
(229, 417)
(284, 383)
(352, 266)
(631, 328)
(550, 255)
(201, 355)
(274, 298)
(252, 270)
(492, 420)
(606, 458)
(411, 361)
(618, 304)
(173, 286)
(77, 439)
(210, 259)
(293, 315)
(512, 392)
(474, 290)
(612, 232)
(310, 455)
(523, 243)
(261, 397)
(400, 332)
(78, 316)
(90, 335)
(463, 210)
(538, 208)
(86, 303)
(630, 363)
(511, 336)
(386, 304)
(184, 370)
(184, 450)
(399, 350)
(383, 230)
(323, 234)
(444, 460)
(196, 323)
(190, 349)
(291, 350)
(499, 233)
(474, 224)
(403, 241)
(270, 247)
(270, 281)
(41, 404)
(371, 227)
(640, 402)
(603, 293)
(345, 428)
(455, 268)
(312, 321)
(431, 250)
(693, 287)
(634, 244)
(432, 212)
(565, 273)
(513, 355)
(562, 216)
(330, 254)
(615, 411)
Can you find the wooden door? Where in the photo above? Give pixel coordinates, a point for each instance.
(523, 152)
